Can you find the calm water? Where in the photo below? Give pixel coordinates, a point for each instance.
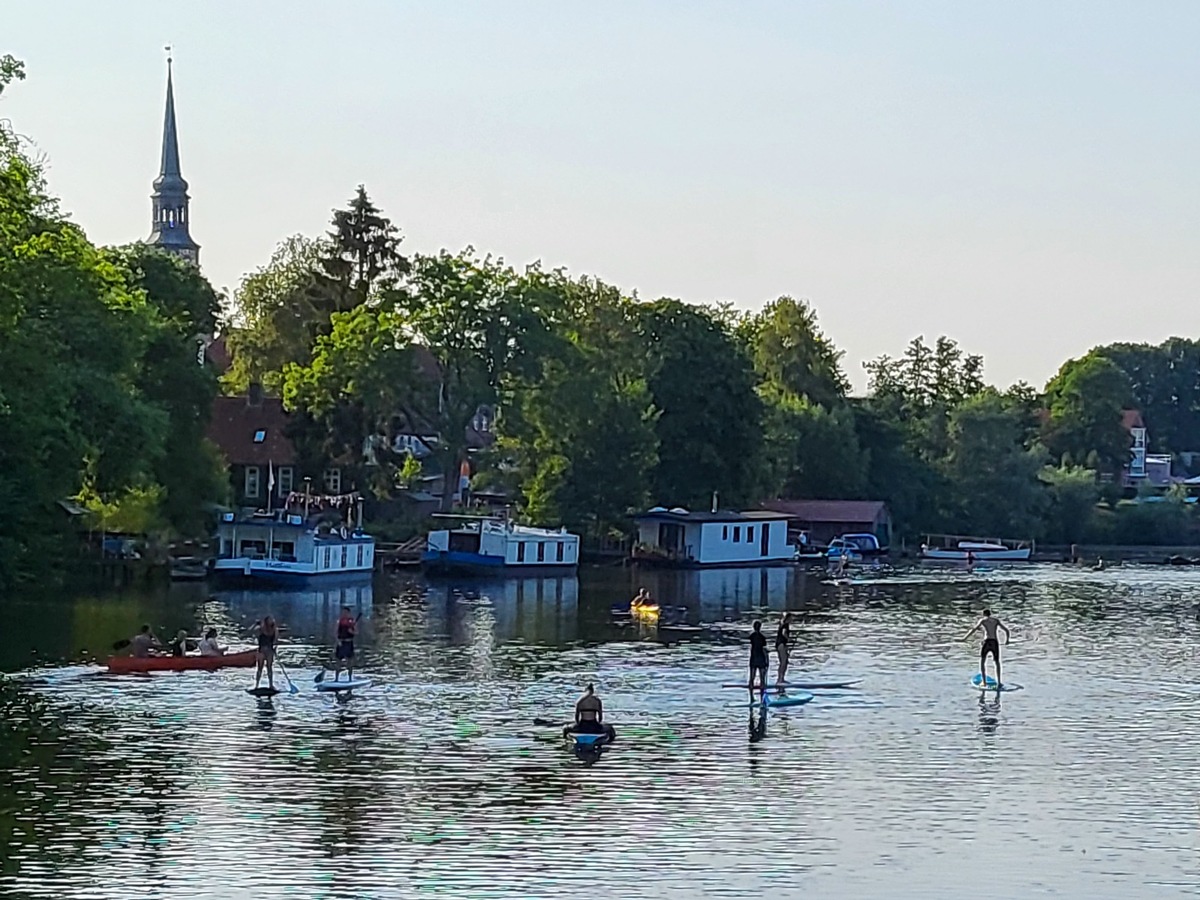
(437, 782)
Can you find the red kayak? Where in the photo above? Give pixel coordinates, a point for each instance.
(127, 665)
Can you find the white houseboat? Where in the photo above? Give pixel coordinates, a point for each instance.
(283, 548)
(495, 546)
(678, 537)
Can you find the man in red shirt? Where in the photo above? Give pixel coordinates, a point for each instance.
(347, 627)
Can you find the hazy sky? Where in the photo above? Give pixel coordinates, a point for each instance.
(1022, 176)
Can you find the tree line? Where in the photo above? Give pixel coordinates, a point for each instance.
(606, 403)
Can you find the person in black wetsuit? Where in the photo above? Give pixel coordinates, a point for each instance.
(758, 656)
(268, 637)
(783, 640)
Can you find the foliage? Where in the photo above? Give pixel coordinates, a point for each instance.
(1164, 383)
(1085, 402)
(709, 426)
(791, 354)
(812, 452)
(1074, 492)
(11, 70)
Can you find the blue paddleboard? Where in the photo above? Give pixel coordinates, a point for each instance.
(343, 684)
(797, 699)
(990, 685)
(588, 740)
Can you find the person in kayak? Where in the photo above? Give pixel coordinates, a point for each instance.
(209, 645)
(179, 645)
(758, 656)
(991, 643)
(783, 640)
(268, 637)
(144, 643)
(344, 654)
(589, 716)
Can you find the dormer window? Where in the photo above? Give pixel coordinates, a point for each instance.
(260, 436)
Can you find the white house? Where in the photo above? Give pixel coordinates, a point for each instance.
(678, 537)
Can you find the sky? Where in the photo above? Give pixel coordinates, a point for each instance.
(1019, 176)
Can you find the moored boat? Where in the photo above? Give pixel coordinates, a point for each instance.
(128, 665)
(492, 545)
(950, 548)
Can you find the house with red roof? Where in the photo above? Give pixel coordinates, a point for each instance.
(824, 520)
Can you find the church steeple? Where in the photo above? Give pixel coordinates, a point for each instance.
(169, 228)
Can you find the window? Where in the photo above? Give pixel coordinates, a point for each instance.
(559, 551)
(252, 486)
(260, 435)
(326, 558)
(344, 549)
(520, 551)
(333, 481)
(360, 553)
(737, 533)
(286, 477)
(541, 551)
(750, 535)
(725, 533)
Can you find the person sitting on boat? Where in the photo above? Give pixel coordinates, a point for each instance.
(179, 645)
(641, 598)
(344, 654)
(209, 645)
(589, 716)
(144, 643)
(268, 637)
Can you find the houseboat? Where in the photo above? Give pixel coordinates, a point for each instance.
(953, 548)
(284, 548)
(680, 538)
(493, 545)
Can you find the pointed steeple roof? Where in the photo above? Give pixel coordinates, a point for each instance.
(169, 175)
(170, 216)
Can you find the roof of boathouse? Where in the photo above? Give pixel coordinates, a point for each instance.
(679, 514)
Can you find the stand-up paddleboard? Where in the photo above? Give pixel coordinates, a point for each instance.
(978, 683)
(343, 684)
(798, 699)
(829, 684)
(262, 692)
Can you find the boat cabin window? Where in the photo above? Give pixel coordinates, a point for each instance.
(254, 549)
(541, 551)
(558, 550)
(464, 541)
(750, 535)
(326, 558)
(520, 551)
(344, 549)
(284, 550)
(737, 533)
(725, 533)
(360, 554)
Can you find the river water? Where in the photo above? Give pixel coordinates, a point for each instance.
(436, 781)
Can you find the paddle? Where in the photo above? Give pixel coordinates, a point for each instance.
(292, 689)
(121, 644)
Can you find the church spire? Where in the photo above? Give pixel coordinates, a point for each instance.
(169, 228)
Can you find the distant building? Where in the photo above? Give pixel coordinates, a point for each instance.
(169, 202)
(677, 537)
(250, 432)
(824, 520)
(1143, 468)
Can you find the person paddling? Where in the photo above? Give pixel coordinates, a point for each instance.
(347, 628)
(268, 638)
(589, 716)
(144, 643)
(209, 645)
(758, 656)
(783, 639)
(991, 644)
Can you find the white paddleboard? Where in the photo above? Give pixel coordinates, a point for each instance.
(826, 684)
(343, 684)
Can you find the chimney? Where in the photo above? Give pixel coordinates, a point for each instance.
(714, 503)
(254, 394)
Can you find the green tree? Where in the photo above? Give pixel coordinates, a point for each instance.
(1085, 402)
(1165, 387)
(791, 353)
(1074, 492)
(710, 423)
(812, 452)
(994, 476)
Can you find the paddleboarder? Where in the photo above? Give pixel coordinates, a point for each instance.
(783, 639)
(758, 656)
(268, 638)
(991, 643)
(589, 716)
(347, 628)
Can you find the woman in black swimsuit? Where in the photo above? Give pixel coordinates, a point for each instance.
(783, 638)
(268, 636)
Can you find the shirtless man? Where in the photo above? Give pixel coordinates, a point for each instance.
(144, 643)
(991, 644)
(589, 716)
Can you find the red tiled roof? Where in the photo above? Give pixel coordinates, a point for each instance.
(234, 423)
(1130, 419)
(847, 511)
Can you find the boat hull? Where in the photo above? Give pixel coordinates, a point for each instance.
(128, 665)
(236, 572)
(1018, 555)
(455, 563)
